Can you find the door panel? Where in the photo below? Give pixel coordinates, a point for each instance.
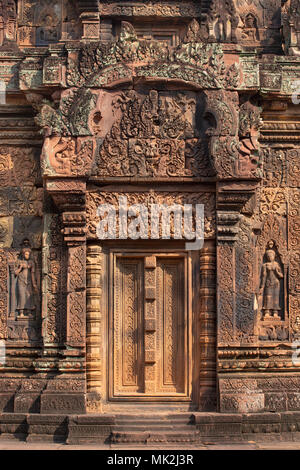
(149, 327)
(128, 326)
(171, 364)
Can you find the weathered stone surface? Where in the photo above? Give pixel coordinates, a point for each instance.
(156, 103)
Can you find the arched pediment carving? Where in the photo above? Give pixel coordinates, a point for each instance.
(128, 58)
(148, 133)
(115, 97)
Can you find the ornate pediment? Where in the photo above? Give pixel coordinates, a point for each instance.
(150, 133)
(136, 129)
(155, 135)
(104, 64)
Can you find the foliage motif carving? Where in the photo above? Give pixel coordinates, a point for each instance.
(95, 199)
(68, 156)
(54, 310)
(245, 262)
(179, 63)
(71, 118)
(154, 137)
(76, 302)
(226, 311)
(3, 295)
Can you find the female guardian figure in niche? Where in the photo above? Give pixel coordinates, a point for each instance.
(270, 284)
(25, 284)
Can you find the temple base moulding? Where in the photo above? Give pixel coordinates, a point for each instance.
(196, 428)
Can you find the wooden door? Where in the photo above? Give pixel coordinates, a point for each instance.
(149, 353)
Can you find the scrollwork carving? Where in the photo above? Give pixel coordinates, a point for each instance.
(95, 199)
(68, 156)
(154, 137)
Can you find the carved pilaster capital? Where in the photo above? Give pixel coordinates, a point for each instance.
(231, 199)
(233, 196)
(69, 197)
(227, 226)
(74, 227)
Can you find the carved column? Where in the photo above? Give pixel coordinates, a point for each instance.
(208, 392)
(3, 295)
(231, 198)
(150, 323)
(67, 393)
(94, 341)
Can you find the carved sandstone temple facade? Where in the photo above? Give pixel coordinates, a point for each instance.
(164, 102)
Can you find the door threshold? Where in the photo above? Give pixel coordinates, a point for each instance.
(148, 408)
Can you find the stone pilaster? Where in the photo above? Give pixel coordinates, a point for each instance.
(208, 391)
(94, 352)
(67, 394)
(231, 198)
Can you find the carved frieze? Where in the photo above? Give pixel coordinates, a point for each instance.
(165, 9)
(153, 135)
(96, 199)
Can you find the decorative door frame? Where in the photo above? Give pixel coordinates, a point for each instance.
(203, 372)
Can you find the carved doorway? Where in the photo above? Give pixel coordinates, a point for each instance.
(149, 327)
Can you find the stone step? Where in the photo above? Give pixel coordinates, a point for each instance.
(153, 419)
(153, 436)
(179, 416)
(152, 428)
(149, 422)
